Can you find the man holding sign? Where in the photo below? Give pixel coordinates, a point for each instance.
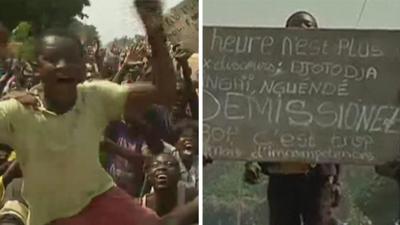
(298, 190)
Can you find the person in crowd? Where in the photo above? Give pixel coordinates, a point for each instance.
(15, 210)
(170, 121)
(143, 142)
(4, 36)
(4, 73)
(61, 138)
(155, 144)
(29, 76)
(299, 193)
(5, 152)
(164, 177)
(188, 102)
(133, 67)
(110, 64)
(12, 173)
(24, 76)
(124, 144)
(187, 147)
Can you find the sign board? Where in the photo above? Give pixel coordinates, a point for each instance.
(181, 24)
(301, 95)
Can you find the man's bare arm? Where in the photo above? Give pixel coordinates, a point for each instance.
(163, 88)
(111, 147)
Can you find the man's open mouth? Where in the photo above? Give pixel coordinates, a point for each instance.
(188, 150)
(161, 179)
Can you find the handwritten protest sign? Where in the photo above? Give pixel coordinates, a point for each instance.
(301, 95)
(182, 25)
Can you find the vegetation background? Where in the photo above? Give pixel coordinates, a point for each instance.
(368, 199)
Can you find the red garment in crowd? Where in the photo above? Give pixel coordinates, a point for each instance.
(113, 207)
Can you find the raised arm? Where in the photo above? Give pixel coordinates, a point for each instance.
(163, 88)
(119, 76)
(111, 147)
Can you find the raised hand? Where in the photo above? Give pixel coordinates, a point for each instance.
(207, 159)
(27, 99)
(150, 12)
(252, 173)
(181, 55)
(11, 173)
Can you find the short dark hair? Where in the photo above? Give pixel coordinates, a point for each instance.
(4, 147)
(190, 128)
(295, 15)
(59, 32)
(169, 154)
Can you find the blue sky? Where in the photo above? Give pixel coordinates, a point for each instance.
(384, 14)
(115, 18)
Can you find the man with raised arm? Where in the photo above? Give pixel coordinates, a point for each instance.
(58, 145)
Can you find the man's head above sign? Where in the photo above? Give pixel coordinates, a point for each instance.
(302, 20)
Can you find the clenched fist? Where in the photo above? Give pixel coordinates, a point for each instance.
(150, 11)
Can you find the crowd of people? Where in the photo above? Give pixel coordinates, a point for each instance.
(99, 136)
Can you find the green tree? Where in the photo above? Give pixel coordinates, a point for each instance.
(22, 35)
(41, 14)
(22, 32)
(87, 33)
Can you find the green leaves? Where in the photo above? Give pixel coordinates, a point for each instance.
(87, 33)
(22, 32)
(27, 51)
(367, 197)
(41, 14)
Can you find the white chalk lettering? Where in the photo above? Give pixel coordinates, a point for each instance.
(327, 115)
(233, 110)
(295, 46)
(298, 111)
(348, 71)
(240, 44)
(358, 48)
(374, 127)
(212, 104)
